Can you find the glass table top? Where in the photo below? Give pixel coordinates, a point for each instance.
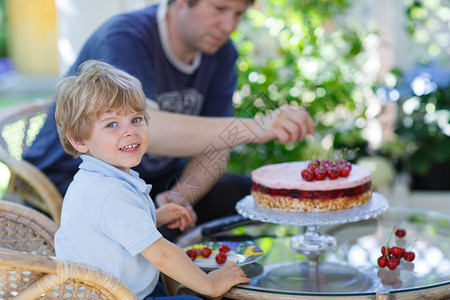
(350, 269)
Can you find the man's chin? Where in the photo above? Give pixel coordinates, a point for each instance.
(211, 50)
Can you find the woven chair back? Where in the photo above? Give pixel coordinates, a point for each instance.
(25, 229)
(19, 126)
(30, 276)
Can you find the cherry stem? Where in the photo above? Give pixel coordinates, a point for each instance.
(390, 235)
(413, 244)
(386, 254)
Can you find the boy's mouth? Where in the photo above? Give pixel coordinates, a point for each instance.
(129, 147)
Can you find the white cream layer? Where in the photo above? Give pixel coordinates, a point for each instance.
(287, 176)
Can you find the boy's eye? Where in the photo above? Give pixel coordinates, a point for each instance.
(136, 120)
(111, 125)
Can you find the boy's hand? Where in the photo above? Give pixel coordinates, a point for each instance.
(167, 197)
(226, 277)
(175, 216)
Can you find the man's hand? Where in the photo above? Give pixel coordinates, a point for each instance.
(285, 124)
(164, 198)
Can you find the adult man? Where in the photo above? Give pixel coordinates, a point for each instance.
(181, 52)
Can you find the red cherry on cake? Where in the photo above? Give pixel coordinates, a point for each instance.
(333, 173)
(307, 174)
(344, 171)
(340, 162)
(312, 167)
(320, 174)
(349, 164)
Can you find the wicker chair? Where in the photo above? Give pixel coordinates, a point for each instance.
(30, 276)
(26, 229)
(19, 125)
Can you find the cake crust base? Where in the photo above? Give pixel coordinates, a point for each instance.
(286, 203)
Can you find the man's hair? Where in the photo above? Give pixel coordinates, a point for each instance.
(82, 98)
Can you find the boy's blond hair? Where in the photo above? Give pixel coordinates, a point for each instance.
(98, 88)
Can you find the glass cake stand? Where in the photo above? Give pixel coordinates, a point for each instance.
(312, 244)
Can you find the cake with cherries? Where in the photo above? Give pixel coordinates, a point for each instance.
(284, 187)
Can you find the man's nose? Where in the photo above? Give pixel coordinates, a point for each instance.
(229, 22)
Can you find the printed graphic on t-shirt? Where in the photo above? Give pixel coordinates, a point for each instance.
(187, 102)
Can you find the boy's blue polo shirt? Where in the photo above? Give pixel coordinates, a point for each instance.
(107, 219)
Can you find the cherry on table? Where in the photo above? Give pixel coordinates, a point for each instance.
(409, 256)
(397, 251)
(383, 250)
(382, 261)
(400, 232)
(392, 264)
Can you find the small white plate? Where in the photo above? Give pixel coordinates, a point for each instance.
(242, 253)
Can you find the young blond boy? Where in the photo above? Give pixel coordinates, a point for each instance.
(108, 218)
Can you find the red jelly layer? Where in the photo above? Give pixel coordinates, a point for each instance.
(321, 195)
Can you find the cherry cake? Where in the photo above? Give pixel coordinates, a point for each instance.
(281, 187)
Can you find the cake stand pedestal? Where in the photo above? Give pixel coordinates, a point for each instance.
(312, 243)
(313, 276)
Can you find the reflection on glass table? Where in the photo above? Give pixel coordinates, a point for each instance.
(351, 268)
(312, 242)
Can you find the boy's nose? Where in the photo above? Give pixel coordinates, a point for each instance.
(129, 130)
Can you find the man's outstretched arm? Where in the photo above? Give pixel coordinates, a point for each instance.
(180, 135)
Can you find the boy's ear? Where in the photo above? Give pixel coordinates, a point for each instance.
(80, 146)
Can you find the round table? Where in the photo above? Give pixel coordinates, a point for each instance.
(354, 259)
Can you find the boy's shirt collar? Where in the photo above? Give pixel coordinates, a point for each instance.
(93, 164)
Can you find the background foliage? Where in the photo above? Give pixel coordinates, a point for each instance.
(3, 29)
(298, 52)
(422, 143)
